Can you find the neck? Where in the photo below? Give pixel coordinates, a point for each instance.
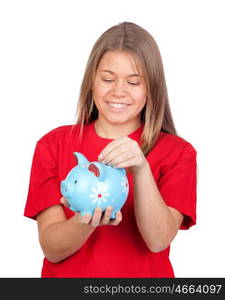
(109, 130)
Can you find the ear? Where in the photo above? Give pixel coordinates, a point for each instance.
(80, 158)
(94, 169)
(97, 169)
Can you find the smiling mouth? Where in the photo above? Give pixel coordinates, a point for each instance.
(118, 106)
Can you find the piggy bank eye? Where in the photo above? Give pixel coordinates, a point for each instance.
(75, 181)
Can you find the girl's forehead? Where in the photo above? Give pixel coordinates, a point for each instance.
(119, 61)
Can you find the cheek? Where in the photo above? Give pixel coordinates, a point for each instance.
(99, 90)
(139, 96)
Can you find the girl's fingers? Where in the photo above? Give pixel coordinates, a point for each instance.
(64, 202)
(85, 219)
(117, 220)
(122, 158)
(106, 216)
(99, 218)
(96, 217)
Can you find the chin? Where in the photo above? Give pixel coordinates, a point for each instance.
(117, 121)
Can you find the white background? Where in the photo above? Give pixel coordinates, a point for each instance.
(44, 48)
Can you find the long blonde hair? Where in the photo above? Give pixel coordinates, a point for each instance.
(156, 114)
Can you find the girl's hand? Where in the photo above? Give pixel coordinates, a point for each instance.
(99, 218)
(123, 153)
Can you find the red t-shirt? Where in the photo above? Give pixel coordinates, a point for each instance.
(112, 251)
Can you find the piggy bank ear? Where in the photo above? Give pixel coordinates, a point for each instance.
(97, 170)
(80, 158)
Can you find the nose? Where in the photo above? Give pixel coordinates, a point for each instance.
(64, 188)
(119, 90)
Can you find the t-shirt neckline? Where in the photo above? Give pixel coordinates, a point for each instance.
(133, 135)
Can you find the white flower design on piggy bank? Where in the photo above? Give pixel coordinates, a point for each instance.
(93, 184)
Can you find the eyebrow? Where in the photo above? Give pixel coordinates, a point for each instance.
(111, 72)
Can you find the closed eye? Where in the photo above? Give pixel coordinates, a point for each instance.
(111, 80)
(108, 80)
(134, 83)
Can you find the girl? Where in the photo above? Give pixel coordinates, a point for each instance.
(123, 120)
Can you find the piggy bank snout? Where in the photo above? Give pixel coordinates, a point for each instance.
(65, 188)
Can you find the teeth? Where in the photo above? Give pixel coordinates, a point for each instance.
(117, 105)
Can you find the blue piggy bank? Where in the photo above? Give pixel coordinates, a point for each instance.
(93, 184)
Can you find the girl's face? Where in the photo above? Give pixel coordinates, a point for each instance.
(119, 90)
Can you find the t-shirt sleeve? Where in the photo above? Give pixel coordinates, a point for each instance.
(44, 187)
(178, 185)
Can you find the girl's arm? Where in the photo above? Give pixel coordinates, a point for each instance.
(60, 237)
(157, 223)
